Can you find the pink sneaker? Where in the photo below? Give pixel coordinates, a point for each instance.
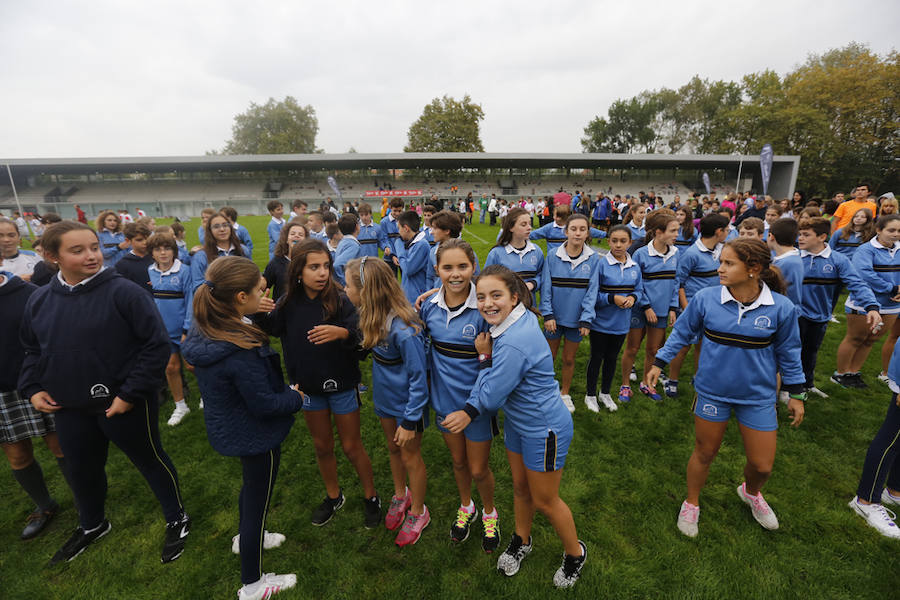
(397, 511)
(761, 510)
(687, 519)
(412, 528)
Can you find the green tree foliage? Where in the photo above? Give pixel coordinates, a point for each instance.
(276, 127)
(839, 111)
(447, 125)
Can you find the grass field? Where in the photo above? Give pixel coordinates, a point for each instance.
(624, 481)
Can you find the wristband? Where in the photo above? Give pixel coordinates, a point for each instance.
(801, 396)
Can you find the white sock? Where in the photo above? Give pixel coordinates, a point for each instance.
(180, 403)
(489, 515)
(470, 507)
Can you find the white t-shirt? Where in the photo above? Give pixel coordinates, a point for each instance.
(22, 263)
(22, 226)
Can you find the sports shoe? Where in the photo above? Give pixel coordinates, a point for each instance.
(459, 531)
(180, 412)
(570, 571)
(889, 498)
(633, 375)
(817, 392)
(649, 392)
(270, 540)
(176, 535)
(856, 381)
(591, 403)
(567, 400)
(607, 401)
(397, 511)
(671, 388)
(784, 397)
(78, 541)
(412, 528)
(490, 540)
(37, 521)
(878, 517)
(840, 379)
(759, 507)
(268, 586)
(833, 319)
(201, 404)
(371, 512)
(883, 378)
(687, 519)
(625, 393)
(511, 559)
(327, 509)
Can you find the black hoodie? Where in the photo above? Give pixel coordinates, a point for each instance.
(13, 296)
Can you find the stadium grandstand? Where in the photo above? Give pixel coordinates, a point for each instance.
(182, 186)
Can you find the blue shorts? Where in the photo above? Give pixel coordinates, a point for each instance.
(540, 454)
(639, 320)
(482, 429)
(340, 403)
(759, 417)
(571, 333)
(421, 424)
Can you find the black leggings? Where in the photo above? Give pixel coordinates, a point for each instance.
(85, 437)
(259, 472)
(604, 351)
(881, 460)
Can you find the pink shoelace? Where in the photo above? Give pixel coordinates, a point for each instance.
(689, 512)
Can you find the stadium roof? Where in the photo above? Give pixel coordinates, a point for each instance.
(402, 160)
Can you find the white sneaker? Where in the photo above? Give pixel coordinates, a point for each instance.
(888, 498)
(759, 507)
(178, 414)
(591, 403)
(784, 397)
(268, 586)
(201, 403)
(270, 540)
(817, 392)
(833, 319)
(633, 375)
(567, 400)
(878, 517)
(687, 519)
(608, 402)
(883, 378)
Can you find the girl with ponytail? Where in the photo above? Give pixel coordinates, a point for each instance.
(247, 406)
(747, 322)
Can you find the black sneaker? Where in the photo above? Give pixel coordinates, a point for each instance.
(841, 380)
(490, 540)
(459, 531)
(856, 381)
(511, 559)
(372, 512)
(570, 571)
(38, 520)
(79, 540)
(176, 534)
(327, 509)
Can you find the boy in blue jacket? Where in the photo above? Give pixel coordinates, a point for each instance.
(276, 209)
(413, 257)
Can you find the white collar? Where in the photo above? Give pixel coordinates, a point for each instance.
(419, 237)
(388, 320)
(3, 279)
(229, 251)
(670, 252)
(765, 297)
(274, 220)
(59, 276)
(176, 266)
(513, 316)
(791, 252)
(824, 253)
(586, 253)
(441, 302)
(881, 246)
(612, 260)
(390, 217)
(715, 251)
(330, 247)
(529, 246)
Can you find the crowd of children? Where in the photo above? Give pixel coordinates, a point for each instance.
(445, 337)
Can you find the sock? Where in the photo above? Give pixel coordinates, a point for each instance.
(180, 404)
(489, 515)
(470, 507)
(31, 478)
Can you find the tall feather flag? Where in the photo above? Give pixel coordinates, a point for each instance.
(333, 184)
(765, 166)
(706, 183)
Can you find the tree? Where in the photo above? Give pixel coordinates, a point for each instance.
(276, 127)
(447, 125)
(628, 128)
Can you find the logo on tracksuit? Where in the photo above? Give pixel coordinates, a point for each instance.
(99, 391)
(763, 323)
(330, 385)
(710, 409)
(469, 331)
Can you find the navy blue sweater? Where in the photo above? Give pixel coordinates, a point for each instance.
(134, 267)
(322, 368)
(87, 345)
(247, 407)
(13, 296)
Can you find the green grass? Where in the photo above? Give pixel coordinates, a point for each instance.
(624, 481)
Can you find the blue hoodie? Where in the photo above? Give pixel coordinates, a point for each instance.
(821, 273)
(415, 260)
(348, 249)
(658, 278)
(846, 247)
(616, 279)
(248, 409)
(368, 239)
(569, 287)
(879, 267)
(109, 246)
(698, 268)
(173, 293)
(528, 262)
(399, 387)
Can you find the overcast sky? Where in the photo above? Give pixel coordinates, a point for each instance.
(124, 78)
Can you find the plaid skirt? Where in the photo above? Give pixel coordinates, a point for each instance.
(20, 421)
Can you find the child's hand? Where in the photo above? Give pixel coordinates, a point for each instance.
(403, 436)
(118, 407)
(296, 388)
(483, 343)
(424, 297)
(584, 331)
(550, 326)
(42, 402)
(266, 304)
(650, 316)
(456, 421)
(322, 334)
(672, 317)
(396, 260)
